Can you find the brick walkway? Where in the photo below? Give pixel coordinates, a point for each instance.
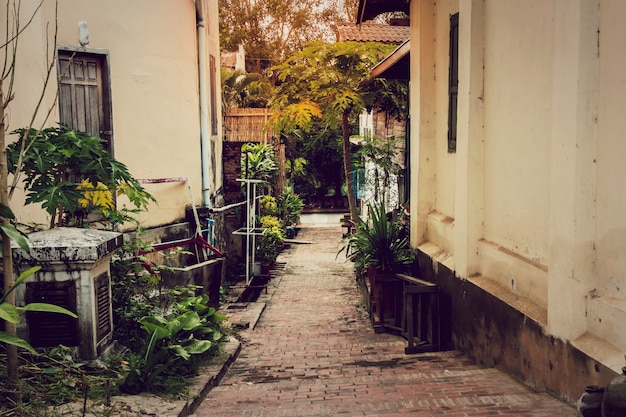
(313, 353)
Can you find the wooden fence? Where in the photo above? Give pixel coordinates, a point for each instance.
(246, 125)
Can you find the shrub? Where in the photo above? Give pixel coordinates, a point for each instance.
(272, 240)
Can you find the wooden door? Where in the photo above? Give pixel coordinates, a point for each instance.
(84, 95)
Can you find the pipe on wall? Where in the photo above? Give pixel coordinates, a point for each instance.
(205, 141)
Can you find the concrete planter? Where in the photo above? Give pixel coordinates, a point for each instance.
(207, 274)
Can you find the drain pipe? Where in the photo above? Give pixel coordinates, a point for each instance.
(205, 141)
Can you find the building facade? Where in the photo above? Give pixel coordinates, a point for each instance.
(144, 76)
(515, 181)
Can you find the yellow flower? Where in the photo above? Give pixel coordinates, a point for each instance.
(96, 196)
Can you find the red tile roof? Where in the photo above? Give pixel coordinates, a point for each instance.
(372, 32)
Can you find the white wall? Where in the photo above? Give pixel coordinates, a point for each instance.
(152, 51)
(533, 198)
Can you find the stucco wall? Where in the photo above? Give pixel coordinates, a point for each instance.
(531, 225)
(608, 312)
(517, 97)
(153, 56)
(446, 162)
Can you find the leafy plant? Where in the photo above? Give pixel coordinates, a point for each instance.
(268, 206)
(290, 207)
(192, 328)
(135, 293)
(241, 89)
(379, 243)
(270, 242)
(60, 167)
(258, 162)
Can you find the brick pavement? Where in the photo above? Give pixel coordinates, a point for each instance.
(314, 353)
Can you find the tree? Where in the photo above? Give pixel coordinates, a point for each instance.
(15, 26)
(241, 89)
(272, 30)
(331, 82)
(71, 172)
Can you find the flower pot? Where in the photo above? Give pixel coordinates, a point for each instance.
(614, 400)
(590, 402)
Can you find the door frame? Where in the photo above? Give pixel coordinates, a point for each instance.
(103, 56)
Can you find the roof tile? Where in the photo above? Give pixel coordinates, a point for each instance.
(372, 32)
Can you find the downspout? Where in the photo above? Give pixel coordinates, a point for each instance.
(205, 140)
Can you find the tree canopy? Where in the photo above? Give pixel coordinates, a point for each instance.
(272, 30)
(332, 83)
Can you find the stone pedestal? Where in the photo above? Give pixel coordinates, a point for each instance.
(75, 274)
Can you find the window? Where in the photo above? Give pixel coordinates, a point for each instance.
(453, 82)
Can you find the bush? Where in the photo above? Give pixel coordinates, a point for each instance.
(272, 240)
(168, 333)
(290, 207)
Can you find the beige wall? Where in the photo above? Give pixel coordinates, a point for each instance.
(531, 200)
(609, 310)
(153, 55)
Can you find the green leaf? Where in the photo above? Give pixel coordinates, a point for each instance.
(23, 276)
(46, 308)
(12, 233)
(198, 346)
(16, 341)
(9, 313)
(6, 212)
(156, 327)
(180, 351)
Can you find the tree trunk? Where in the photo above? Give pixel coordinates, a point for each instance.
(7, 257)
(347, 166)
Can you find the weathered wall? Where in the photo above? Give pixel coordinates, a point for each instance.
(488, 326)
(152, 50)
(525, 216)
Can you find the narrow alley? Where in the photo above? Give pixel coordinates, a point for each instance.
(313, 353)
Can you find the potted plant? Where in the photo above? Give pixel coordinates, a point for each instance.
(271, 242)
(379, 249)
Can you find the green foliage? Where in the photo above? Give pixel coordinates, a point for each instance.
(295, 116)
(168, 333)
(241, 89)
(322, 148)
(290, 207)
(258, 162)
(134, 294)
(54, 163)
(336, 78)
(392, 97)
(10, 230)
(332, 77)
(270, 243)
(55, 378)
(268, 206)
(190, 328)
(379, 243)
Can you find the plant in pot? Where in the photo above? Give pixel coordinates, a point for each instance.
(380, 249)
(271, 242)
